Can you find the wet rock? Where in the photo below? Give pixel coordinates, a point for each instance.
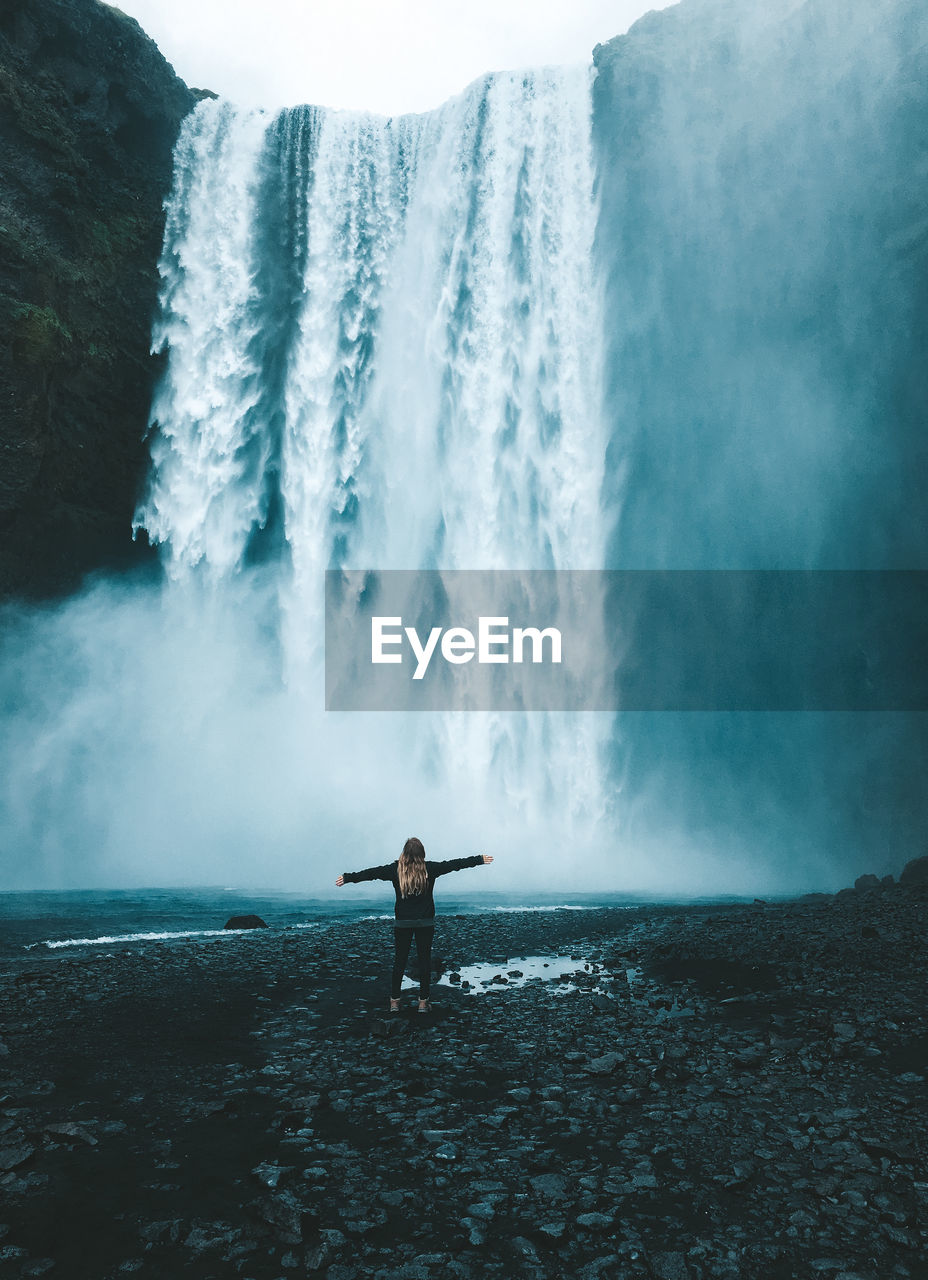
(14, 1156)
(915, 872)
(899, 1236)
(271, 1175)
(38, 1267)
(482, 1209)
(554, 1229)
(669, 1266)
(285, 1215)
(606, 1064)
(245, 922)
(332, 1238)
(524, 1247)
(167, 1232)
(864, 883)
(206, 1236)
(644, 1182)
(496, 1113)
(71, 1132)
(389, 1028)
(595, 1221)
(549, 1186)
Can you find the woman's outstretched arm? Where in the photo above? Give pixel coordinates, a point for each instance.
(458, 864)
(372, 873)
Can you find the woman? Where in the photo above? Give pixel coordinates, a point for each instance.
(413, 879)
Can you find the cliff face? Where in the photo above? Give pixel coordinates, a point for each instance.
(89, 111)
(764, 237)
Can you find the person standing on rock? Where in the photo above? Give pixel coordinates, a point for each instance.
(413, 879)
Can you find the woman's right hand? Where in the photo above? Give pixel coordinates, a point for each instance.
(488, 857)
(340, 881)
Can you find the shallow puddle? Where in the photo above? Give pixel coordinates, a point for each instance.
(519, 970)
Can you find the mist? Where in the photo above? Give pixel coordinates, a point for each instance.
(148, 739)
(763, 241)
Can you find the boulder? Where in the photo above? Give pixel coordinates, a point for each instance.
(863, 883)
(915, 872)
(245, 922)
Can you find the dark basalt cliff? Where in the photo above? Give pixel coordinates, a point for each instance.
(89, 111)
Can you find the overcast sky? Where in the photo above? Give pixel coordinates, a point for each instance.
(380, 55)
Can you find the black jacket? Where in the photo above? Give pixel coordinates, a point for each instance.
(419, 909)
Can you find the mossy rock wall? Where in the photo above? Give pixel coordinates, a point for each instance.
(89, 112)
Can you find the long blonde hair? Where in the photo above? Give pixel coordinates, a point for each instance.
(411, 870)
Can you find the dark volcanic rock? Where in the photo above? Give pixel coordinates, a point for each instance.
(774, 1131)
(89, 111)
(245, 922)
(915, 872)
(863, 883)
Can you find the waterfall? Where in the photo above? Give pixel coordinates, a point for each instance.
(664, 316)
(384, 333)
(383, 345)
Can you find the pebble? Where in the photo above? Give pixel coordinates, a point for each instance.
(750, 1106)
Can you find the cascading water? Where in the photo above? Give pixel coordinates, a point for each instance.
(383, 345)
(390, 327)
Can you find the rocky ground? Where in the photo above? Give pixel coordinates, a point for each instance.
(715, 1091)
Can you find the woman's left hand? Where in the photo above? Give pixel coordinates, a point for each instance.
(488, 857)
(340, 881)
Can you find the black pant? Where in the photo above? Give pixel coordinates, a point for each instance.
(402, 941)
